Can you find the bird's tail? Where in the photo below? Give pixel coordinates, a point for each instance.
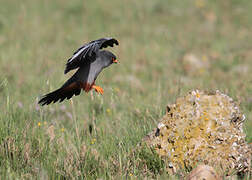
(70, 88)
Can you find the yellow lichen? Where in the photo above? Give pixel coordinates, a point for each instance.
(203, 127)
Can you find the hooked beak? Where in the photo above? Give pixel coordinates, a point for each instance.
(115, 61)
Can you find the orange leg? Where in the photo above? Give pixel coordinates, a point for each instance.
(98, 89)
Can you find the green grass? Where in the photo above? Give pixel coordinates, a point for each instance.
(94, 137)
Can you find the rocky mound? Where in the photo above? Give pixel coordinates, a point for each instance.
(202, 128)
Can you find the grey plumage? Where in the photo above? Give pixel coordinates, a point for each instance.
(91, 61)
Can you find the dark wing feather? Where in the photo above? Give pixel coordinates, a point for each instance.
(84, 53)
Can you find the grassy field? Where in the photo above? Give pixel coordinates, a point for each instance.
(92, 135)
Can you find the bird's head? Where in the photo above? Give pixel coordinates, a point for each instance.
(108, 58)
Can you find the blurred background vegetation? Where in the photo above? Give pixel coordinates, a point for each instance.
(166, 49)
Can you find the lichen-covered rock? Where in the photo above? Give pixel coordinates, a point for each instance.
(202, 128)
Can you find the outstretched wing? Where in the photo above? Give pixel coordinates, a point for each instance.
(86, 51)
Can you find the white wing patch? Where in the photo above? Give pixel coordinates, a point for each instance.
(78, 53)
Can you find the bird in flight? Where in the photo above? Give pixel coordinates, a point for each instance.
(90, 61)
